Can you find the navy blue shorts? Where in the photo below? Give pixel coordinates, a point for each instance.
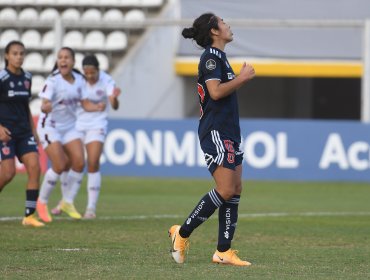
(18, 146)
(221, 151)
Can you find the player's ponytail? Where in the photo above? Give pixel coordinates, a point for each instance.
(201, 29)
(188, 33)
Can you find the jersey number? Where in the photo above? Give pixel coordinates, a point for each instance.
(229, 145)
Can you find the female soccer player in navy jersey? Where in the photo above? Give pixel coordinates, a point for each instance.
(219, 136)
(17, 133)
(61, 97)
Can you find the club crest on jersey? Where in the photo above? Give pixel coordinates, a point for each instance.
(11, 84)
(211, 64)
(27, 84)
(6, 150)
(100, 92)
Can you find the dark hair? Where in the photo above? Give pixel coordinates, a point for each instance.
(8, 46)
(72, 52)
(90, 60)
(200, 31)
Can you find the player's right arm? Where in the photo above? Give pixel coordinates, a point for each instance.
(113, 99)
(47, 94)
(46, 106)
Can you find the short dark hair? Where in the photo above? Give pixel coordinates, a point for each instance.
(90, 60)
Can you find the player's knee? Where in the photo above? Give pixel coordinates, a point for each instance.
(8, 176)
(93, 167)
(78, 165)
(60, 167)
(34, 168)
(238, 189)
(226, 194)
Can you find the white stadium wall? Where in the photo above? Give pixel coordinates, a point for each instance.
(150, 86)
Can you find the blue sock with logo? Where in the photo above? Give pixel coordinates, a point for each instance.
(204, 209)
(227, 220)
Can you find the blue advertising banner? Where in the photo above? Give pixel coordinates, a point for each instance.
(273, 150)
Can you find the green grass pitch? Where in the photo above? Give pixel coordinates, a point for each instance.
(287, 230)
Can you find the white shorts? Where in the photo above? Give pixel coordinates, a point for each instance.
(92, 135)
(48, 135)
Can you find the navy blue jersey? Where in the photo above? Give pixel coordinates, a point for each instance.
(15, 93)
(223, 114)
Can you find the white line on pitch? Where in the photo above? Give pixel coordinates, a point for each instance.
(241, 215)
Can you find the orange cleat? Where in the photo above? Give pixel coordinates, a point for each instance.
(31, 220)
(43, 211)
(229, 257)
(180, 245)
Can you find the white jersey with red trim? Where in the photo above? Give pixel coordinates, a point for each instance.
(65, 98)
(99, 92)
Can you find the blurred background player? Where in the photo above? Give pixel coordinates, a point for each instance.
(99, 88)
(56, 128)
(17, 133)
(220, 138)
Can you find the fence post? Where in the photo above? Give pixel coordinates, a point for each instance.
(59, 33)
(365, 86)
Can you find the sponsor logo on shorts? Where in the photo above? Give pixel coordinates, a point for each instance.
(32, 141)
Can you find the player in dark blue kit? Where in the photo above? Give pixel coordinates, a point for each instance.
(219, 136)
(17, 133)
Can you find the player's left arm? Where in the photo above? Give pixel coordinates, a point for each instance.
(113, 98)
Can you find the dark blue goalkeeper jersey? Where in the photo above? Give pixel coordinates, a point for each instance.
(223, 114)
(15, 93)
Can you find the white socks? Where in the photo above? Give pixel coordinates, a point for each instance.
(64, 183)
(73, 183)
(48, 184)
(70, 185)
(93, 189)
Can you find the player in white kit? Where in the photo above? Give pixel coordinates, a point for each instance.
(99, 88)
(61, 97)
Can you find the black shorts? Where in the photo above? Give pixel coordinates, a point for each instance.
(18, 146)
(221, 151)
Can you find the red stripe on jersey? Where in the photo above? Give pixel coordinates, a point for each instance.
(201, 93)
